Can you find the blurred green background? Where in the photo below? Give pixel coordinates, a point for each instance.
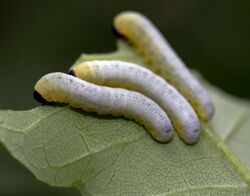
(37, 37)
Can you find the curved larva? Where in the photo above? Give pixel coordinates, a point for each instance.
(131, 76)
(157, 51)
(63, 88)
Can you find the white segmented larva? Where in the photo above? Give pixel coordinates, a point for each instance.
(134, 77)
(158, 53)
(63, 88)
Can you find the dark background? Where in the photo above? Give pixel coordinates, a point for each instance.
(37, 37)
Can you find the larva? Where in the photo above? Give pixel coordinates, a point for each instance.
(156, 50)
(134, 77)
(63, 88)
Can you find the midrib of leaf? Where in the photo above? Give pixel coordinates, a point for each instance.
(237, 114)
(235, 161)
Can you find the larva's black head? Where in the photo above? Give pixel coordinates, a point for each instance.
(116, 33)
(72, 72)
(37, 96)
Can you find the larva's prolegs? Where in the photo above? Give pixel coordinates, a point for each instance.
(131, 76)
(157, 51)
(63, 88)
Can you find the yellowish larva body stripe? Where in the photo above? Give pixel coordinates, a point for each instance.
(63, 88)
(134, 77)
(137, 29)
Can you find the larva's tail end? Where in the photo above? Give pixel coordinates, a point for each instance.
(163, 137)
(208, 113)
(192, 139)
(37, 96)
(72, 73)
(211, 112)
(191, 142)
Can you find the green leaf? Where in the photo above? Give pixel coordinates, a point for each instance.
(232, 124)
(105, 155)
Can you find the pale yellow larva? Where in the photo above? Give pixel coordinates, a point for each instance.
(156, 50)
(63, 88)
(134, 77)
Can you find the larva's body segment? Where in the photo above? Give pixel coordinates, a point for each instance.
(131, 76)
(63, 88)
(158, 53)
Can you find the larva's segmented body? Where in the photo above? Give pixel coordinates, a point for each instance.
(157, 51)
(63, 88)
(131, 76)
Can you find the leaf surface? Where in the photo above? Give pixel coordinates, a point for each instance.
(105, 155)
